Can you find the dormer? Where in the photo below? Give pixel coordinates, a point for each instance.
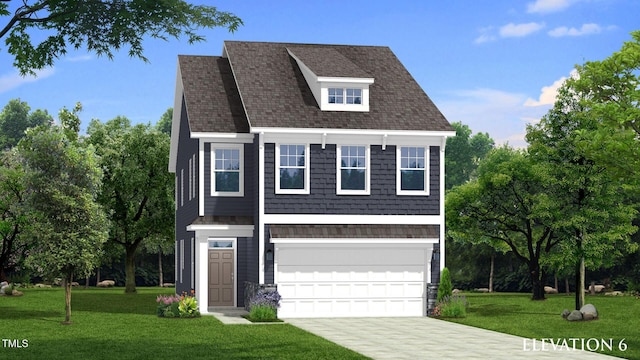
(336, 82)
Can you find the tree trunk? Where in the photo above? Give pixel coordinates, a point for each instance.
(566, 286)
(130, 270)
(580, 284)
(536, 283)
(67, 298)
(86, 282)
(555, 282)
(592, 288)
(493, 258)
(97, 276)
(161, 280)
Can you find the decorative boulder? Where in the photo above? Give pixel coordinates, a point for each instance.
(614, 293)
(596, 288)
(4, 288)
(455, 291)
(589, 312)
(168, 285)
(482, 290)
(565, 313)
(575, 315)
(106, 283)
(550, 290)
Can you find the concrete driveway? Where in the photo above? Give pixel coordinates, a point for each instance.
(427, 338)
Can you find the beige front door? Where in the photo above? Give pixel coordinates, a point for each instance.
(221, 278)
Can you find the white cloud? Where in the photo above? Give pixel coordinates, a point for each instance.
(501, 114)
(548, 6)
(79, 58)
(13, 80)
(549, 93)
(586, 29)
(520, 30)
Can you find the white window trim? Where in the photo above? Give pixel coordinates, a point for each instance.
(215, 147)
(181, 187)
(190, 179)
(367, 173)
(399, 190)
(307, 166)
(195, 178)
(181, 258)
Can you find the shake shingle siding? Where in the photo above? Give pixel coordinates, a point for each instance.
(230, 205)
(323, 199)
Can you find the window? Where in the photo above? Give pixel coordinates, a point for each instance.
(227, 164)
(353, 170)
(292, 163)
(353, 96)
(413, 171)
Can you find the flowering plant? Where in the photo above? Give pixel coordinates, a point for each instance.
(178, 305)
(264, 305)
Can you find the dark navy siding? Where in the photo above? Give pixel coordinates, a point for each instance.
(187, 212)
(269, 277)
(247, 265)
(323, 199)
(230, 205)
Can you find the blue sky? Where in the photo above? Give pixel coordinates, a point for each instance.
(493, 65)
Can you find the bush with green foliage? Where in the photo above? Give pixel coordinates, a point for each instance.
(185, 306)
(264, 306)
(454, 306)
(444, 289)
(263, 313)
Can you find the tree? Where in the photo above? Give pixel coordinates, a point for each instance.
(164, 124)
(102, 27)
(463, 154)
(506, 207)
(593, 214)
(63, 179)
(137, 191)
(610, 91)
(15, 118)
(14, 217)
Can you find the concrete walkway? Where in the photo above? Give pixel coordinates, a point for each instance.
(427, 338)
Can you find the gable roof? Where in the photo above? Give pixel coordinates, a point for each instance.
(275, 94)
(326, 61)
(211, 96)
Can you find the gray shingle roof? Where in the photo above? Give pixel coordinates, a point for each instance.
(211, 96)
(223, 220)
(355, 231)
(275, 93)
(325, 61)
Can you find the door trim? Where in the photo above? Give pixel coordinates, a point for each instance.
(234, 247)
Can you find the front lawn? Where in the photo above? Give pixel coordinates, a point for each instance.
(619, 318)
(107, 324)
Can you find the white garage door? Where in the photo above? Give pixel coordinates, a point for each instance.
(350, 280)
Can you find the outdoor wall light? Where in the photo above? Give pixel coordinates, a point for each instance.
(269, 255)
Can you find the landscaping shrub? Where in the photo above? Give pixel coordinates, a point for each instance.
(444, 289)
(452, 306)
(177, 306)
(264, 305)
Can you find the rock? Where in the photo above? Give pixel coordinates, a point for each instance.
(17, 293)
(3, 284)
(596, 288)
(614, 293)
(106, 283)
(4, 288)
(482, 290)
(75, 283)
(550, 290)
(575, 315)
(589, 312)
(455, 291)
(42, 285)
(565, 313)
(168, 285)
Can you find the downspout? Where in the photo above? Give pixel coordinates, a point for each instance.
(260, 228)
(442, 222)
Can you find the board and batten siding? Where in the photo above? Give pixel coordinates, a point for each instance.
(323, 199)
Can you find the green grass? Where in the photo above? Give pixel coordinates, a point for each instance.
(107, 324)
(619, 318)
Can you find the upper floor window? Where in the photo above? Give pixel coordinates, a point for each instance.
(345, 96)
(292, 169)
(227, 164)
(353, 170)
(412, 176)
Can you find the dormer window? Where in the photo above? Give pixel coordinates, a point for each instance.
(337, 96)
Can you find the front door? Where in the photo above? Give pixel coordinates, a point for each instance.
(221, 278)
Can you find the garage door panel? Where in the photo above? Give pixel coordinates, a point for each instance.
(348, 280)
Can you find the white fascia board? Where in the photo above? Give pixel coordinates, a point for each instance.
(340, 219)
(378, 132)
(390, 241)
(345, 80)
(223, 137)
(175, 121)
(222, 230)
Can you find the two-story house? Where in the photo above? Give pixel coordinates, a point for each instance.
(318, 168)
